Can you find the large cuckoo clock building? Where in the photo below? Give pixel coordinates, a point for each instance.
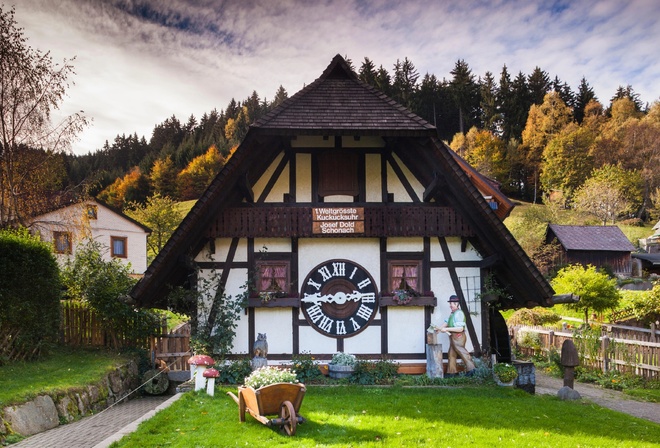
(354, 224)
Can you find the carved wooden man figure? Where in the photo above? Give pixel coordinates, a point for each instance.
(454, 326)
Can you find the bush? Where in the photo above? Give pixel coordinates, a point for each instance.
(534, 317)
(382, 371)
(305, 367)
(235, 372)
(104, 284)
(30, 292)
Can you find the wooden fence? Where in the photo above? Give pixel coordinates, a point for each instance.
(616, 347)
(173, 348)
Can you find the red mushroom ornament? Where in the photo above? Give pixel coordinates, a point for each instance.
(210, 375)
(198, 364)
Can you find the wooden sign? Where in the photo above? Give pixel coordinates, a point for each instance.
(333, 220)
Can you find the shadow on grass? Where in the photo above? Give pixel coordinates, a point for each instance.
(393, 416)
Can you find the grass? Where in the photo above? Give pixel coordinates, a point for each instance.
(184, 207)
(400, 417)
(64, 368)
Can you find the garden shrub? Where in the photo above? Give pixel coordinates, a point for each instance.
(235, 372)
(30, 292)
(104, 285)
(382, 371)
(534, 317)
(305, 367)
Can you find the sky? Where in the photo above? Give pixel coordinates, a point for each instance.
(138, 62)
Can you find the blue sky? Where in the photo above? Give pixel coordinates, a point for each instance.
(139, 62)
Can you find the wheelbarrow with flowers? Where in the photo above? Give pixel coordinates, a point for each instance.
(270, 391)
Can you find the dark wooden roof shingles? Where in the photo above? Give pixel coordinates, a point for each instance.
(592, 238)
(342, 104)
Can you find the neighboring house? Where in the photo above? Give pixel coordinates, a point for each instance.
(600, 246)
(354, 197)
(649, 260)
(123, 238)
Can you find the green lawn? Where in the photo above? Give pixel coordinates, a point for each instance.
(65, 368)
(400, 417)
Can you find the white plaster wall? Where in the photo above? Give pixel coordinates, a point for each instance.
(363, 251)
(373, 178)
(454, 244)
(314, 342)
(303, 178)
(272, 245)
(405, 244)
(395, 186)
(406, 330)
(278, 326)
(260, 184)
(368, 341)
(221, 249)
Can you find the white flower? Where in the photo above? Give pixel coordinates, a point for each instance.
(343, 359)
(269, 375)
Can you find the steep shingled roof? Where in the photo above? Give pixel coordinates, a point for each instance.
(592, 238)
(339, 102)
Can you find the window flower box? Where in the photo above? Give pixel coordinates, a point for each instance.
(406, 298)
(274, 300)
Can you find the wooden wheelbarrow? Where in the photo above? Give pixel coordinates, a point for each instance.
(283, 399)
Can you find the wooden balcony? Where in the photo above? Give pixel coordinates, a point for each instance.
(379, 221)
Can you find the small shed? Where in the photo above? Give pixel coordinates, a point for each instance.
(600, 246)
(649, 259)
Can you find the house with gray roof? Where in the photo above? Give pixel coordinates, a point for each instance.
(600, 246)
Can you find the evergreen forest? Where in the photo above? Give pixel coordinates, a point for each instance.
(538, 137)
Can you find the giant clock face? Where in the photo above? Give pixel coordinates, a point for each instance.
(339, 298)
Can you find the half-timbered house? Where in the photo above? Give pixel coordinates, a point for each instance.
(353, 223)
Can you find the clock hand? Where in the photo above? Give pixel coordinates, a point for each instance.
(339, 297)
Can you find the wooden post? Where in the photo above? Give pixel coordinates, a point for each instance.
(434, 361)
(654, 332)
(604, 346)
(551, 338)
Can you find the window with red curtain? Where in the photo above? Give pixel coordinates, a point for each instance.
(405, 275)
(273, 276)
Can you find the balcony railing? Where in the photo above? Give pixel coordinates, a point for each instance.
(379, 221)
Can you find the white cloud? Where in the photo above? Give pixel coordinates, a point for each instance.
(141, 61)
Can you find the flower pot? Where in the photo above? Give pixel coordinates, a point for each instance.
(507, 384)
(338, 372)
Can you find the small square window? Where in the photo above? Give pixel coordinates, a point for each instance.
(118, 246)
(273, 276)
(62, 241)
(92, 212)
(405, 275)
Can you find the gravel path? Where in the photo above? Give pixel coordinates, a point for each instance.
(608, 398)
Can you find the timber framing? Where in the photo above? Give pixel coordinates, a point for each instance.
(455, 201)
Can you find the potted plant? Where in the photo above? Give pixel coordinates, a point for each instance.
(492, 291)
(505, 374)
(342, 365)
(404, 296)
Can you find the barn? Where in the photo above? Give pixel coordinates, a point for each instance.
(351, 224)
(600, 246)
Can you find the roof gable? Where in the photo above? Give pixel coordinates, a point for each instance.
(61, 212)
(339, 102)
(592, 238)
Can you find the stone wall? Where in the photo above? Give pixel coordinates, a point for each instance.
(48, 411)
